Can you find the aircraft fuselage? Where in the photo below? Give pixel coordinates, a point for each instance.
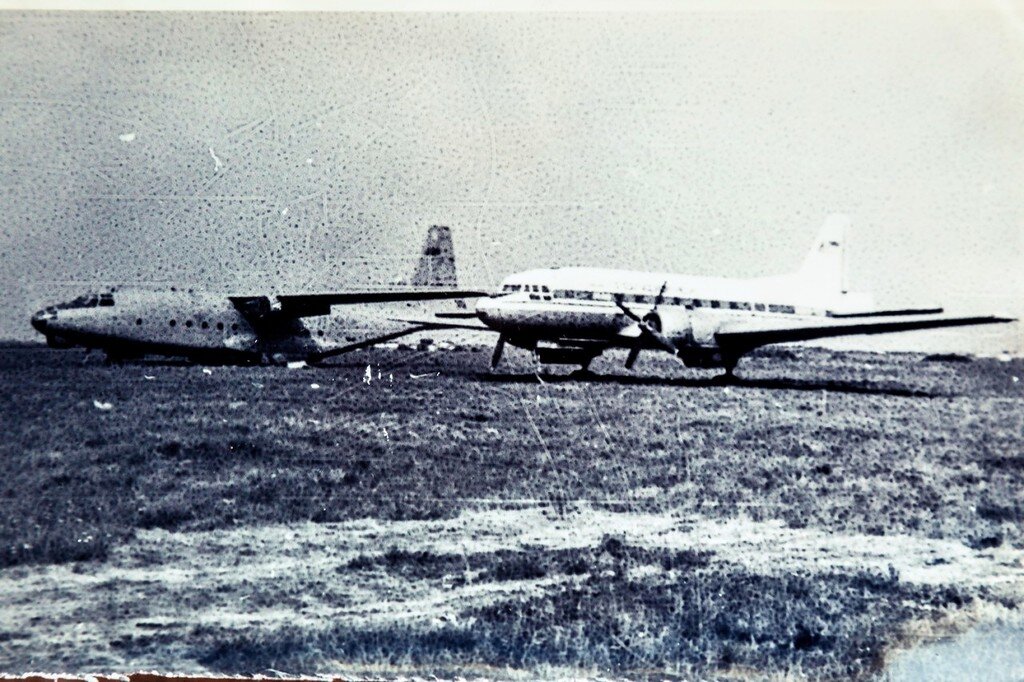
(200, 326)
(581, 307)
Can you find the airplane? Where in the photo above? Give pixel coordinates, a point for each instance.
(571, 315)
(207, 327)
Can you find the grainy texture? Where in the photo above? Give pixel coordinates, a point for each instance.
(442, 517)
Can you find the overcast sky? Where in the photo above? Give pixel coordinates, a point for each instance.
(254, 153)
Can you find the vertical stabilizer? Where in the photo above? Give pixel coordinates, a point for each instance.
(436, 267)
(823, 267)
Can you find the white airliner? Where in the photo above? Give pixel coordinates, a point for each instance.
(215, 328)
(572, 315)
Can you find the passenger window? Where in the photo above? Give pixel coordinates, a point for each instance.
(734, 305)
(234, 327)
(759, 306)
(205, 325)
(138, 322)
(715, 304)
(188, 323)
(220, 326)
(173, 323)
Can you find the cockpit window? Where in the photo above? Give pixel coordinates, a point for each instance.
(106, 300)
(86, 301)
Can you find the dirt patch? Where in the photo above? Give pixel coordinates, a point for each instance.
(185, 589)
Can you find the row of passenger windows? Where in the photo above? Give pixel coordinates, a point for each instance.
(540, 292)
(206, 325)
(511, 288)
(189, 324)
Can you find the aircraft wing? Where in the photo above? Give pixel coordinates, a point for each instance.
(258, 308)
(446, 322)
(365, 343)
(742, 338)
(415, 325)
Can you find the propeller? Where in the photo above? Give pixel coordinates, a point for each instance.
(499, 347)
(647, 328)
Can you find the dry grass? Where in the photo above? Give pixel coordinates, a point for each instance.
(852, 443)
(623, 611)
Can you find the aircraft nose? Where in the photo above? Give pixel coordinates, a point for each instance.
(41, 319)
(490, 311)
(485, 310)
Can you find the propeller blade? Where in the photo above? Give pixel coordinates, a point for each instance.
(634, 352)
(661, 295)
(499, 347)
(629, 313)
(646, 327)
(662, 340)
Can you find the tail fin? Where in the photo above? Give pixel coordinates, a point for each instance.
(823, 267)
(436, 267)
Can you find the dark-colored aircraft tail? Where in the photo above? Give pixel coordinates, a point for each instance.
(436, 267)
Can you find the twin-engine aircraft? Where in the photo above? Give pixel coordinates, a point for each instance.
(216, 328)
(572, 315)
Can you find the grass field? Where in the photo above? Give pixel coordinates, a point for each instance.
(440, 518)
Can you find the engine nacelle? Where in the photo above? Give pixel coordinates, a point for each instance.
(676, 324)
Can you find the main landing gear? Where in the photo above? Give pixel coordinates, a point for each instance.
(584, 372)
(729, 375)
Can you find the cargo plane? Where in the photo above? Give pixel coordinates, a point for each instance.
(207, 327)
(572, 315)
